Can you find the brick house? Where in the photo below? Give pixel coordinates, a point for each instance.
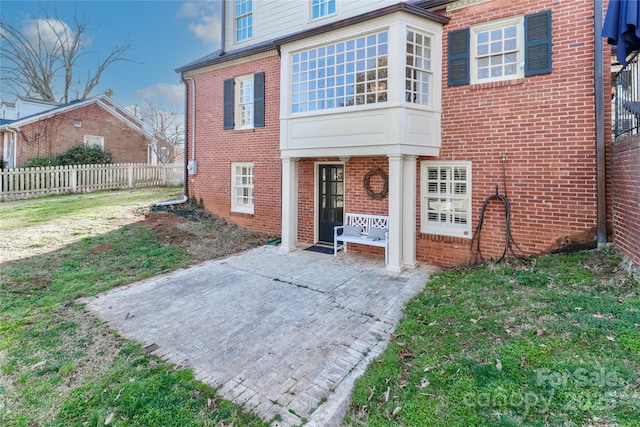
(94, 121)
(417, 110)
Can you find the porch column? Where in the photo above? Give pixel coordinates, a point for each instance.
(289, 204)
(409, 212)
(396, 194)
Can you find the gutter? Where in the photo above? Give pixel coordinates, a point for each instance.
(601, 195)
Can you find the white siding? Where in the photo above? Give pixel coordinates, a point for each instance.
(277, 18)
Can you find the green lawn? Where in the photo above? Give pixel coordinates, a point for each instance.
(553, 342)
(60, 366)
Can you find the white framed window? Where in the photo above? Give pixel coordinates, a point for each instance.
(244, 19)
(242, 187)
(341, 74)
(446, 198)
(322, 8)
(244, 95)
(94, 141)
(497, 48)
(418, 70)
(163, 155)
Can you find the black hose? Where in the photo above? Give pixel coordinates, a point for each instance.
(509, 241)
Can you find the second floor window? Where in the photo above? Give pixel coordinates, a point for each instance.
(244, 19)
(343, 74)
(498, 51)
(244, 86)
(418, 71)
(322, 8)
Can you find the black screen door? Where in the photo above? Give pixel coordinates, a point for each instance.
(331, 200)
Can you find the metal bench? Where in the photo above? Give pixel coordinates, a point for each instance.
(372, 230)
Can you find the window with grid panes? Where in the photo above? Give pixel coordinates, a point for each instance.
(342, 74)
(418, 69)
(244, 19)
(242, 187)
(244, 87)
(497, 48)
(320, 8)
(446, 198)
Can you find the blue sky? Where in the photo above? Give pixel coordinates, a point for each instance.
(164, 35)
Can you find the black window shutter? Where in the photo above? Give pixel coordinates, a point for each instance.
(537, 43)
(258, 100)
(228, 104)
(458, 57)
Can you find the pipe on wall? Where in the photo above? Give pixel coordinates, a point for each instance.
(601, 206)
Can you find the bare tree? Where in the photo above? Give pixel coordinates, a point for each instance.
(44, 62)
(166, 126)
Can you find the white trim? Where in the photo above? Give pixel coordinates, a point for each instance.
(446, 229)
(239, 81)
(461, 4)
(289, 204)
(235, 21)
(319, 18)
(234, 205)
(518, 22)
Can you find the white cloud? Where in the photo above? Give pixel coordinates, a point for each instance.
(50, 32)
(205, 17)
(171, 97)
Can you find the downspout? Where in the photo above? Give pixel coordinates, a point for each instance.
(223, 27)
(601, 182)
(185, 197)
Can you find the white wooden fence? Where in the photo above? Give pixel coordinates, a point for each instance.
(24, 183)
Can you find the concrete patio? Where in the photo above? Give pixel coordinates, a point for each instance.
(284, 334)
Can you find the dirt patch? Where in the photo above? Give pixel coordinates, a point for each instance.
(202, 234)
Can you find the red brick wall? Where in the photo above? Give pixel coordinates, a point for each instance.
(544, 125)
(53, 136)
(626, 197)
(217, 148)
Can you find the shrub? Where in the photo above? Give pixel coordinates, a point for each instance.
(84, 155)
(35, 162)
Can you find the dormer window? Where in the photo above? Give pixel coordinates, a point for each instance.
(244, 19)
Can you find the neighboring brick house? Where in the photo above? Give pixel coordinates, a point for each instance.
(448, 98)
(96, 121)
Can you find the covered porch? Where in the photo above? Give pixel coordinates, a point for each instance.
(304, 198)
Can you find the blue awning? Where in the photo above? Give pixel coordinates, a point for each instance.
(622, 27)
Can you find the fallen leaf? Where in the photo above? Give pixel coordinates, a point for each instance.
(371, 391)
(577, 308)
(396, 411)
(540, 332)
(459, 334)
(109, 419)
(433, 323)
(636, 384)
(498, 365)
(385, 396)
(423, 383)
(611, 338)
(472, 320)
